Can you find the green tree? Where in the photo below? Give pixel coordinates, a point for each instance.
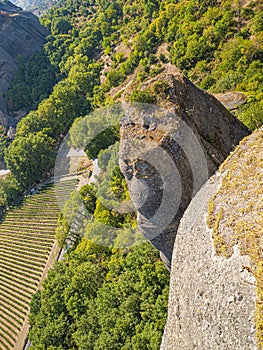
(30, 157)
(60, 26)
(31, 123)
(142, 96)
(252, 115)
(99, 299)
(88, 195)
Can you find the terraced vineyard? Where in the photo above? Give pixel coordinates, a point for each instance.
(27, 250)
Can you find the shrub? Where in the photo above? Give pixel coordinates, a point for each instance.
(142, 96)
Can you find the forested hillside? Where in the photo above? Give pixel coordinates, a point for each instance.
(21, 35)
(35, 6)
(100, 52)
(93, 50)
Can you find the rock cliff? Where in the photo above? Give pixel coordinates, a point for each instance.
(208, 221)
(168, 154)
(20, 35)
(216, 291)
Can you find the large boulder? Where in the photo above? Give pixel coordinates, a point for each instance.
(216, 288)
(20, 35)
(168, 154)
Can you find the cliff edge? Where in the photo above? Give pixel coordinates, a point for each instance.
(167, 154)
(216, 292)
(207, 221)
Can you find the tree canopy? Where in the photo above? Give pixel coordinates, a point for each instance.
(98, 298)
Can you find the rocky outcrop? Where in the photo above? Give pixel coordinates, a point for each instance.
(216, 294)
(20, 35)
(231, 99)
(168, 154)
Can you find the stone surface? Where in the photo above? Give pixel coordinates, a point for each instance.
(216, 295)
(20, 35)
(212, 299)
(168, 154)
(231, 99)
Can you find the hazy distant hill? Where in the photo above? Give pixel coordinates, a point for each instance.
(36, 6)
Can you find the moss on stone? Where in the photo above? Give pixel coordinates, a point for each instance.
(236, 212)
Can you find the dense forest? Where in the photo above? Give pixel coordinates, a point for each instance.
(100, 299)
(107, 297)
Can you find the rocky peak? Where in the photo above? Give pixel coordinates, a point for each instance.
(168, 154)
(9, 7)
(20, 35)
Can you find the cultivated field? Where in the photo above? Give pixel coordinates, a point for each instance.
(27, 250)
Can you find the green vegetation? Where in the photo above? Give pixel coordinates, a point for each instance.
(101, 295)
(97, 211)
(252, 114)
(29, 157)
(27, 245)
(3, 143)
(102, 299)
(32, 83)
(219, 46)
(97, 131)
(142, 96)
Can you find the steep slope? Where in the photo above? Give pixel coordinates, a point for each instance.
(99, 55)
(20, 35)
(215, 45)
(27, 250)
(217, 264)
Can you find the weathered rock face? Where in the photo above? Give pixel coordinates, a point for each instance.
(231, 99)
(168, 154)
(20, 34)
(216, 294)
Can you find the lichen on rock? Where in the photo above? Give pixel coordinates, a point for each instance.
(212, 298)
(217, 275)
(240, 198)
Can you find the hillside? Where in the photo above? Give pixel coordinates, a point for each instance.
(99, 60)
(108, 293)
(27, 251)
(20, 36)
